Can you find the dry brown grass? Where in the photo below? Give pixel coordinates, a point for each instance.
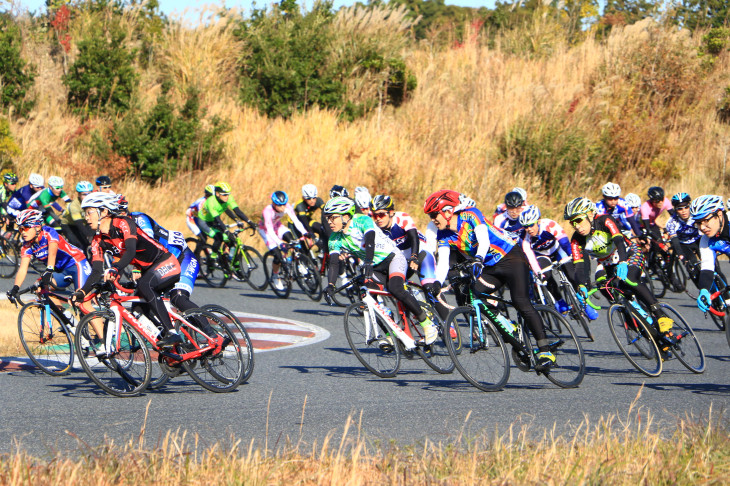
(613, 450)
(9, 342)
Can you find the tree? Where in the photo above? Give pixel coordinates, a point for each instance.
(696, 14)
(16, 77)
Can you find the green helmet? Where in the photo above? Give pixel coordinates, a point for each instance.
(340, 205)
(577, 207)
(10, 178)
(223, 187)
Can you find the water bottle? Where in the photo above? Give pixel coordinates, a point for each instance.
(71, 319)
(506, 324)
(146, 324)
(641, 310)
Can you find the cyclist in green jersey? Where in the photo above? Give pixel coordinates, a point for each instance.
(10, 182)
(383, 262)
(46, 200)
(209, 216)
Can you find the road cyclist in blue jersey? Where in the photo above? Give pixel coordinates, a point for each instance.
(509, 220)
(613, 204)
(710, 218)
(382, 262)
(496, 260)
(20, 198)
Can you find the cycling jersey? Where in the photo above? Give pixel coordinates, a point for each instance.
(271, 227)
(306, 213)
(70, 266)
(685, 231)
(19, 200)
(45, 197)
(605, 242)
(191, 213)
(649, 212)
(212, 208)
(717, 244)
(469, 223)
(73, 213)
(5, 195)
(550, 238)
(510, 226)
(622, 213)
(351, 240)
(398, 231)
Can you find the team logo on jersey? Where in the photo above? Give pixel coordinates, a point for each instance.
(598, 243)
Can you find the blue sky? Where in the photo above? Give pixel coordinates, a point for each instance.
(170, 6)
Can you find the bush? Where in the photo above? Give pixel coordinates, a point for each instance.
(102, 79)
(165, 140)
(8, 147)
(16, 77)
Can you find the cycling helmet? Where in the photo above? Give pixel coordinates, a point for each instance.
(440, 201)
(223, 187)
(529, 216)
(681, 198)
(577, 207)
(10, 178)
(611, 190)
(522, 192)
(101, 200)
(55, 182)
(340, 205)
(339, 191)
(655, 193)
(703, 206)
(381, 202)
(513, 199)
(309, 191)
(103, 181)
(36, 180)
(84, 186)
(209, 190)
(29, 217)
(633, 200)
(279, 198)
(362, 199)
(122, 203)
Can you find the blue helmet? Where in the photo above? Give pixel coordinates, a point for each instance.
(529, 216)
(279, 198)
(681, 198)
(84, 186)
(703, 206)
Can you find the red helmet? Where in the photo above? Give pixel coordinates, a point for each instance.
(440, 200)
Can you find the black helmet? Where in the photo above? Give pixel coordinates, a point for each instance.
(681, 199)
(103, 181)
(338, 191)
(513, 199)
(655, 193)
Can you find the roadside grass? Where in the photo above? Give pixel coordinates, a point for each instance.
(9, 342)
(637, 448)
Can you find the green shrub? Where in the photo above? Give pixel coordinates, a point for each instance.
(713, 44)
(166, 140)
(16, 77)
(8, 147)
(102, 79)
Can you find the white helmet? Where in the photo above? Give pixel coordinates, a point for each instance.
(362, 198)
(309, 191)
(36, 180)
(611, 190)
(101, 200)
(55, 182)
(521, 191)
(633, 200)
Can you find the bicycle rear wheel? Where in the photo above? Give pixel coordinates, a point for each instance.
(124, 373)
(478, 350)
(211, 268)
(234, 324)
(679, 276)
(282, 287)
(371, 341)
(436, 355)
(251, 268)
(217, 372)
(9, 259)
(307, 276)
(570, 366)
(687, 349)
(634, 340)
(51, 351)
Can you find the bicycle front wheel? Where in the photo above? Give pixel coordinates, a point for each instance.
(280, 282)
(45, 340)
(634, 340)
(570, 365)
(234, 324)
(211, 268)
(577, 313)
(371, 341)
(308, 278)
(477, 349)
(251, 268)
(127, 370)
(687, 349)
(9, 260)
(436, 355)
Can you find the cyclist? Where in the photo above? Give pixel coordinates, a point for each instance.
(308, 207)
(383, 262)
(119, 235)
(192, 211)
(709, 216)
(503, 207)
(46, 201)
(613, 204)
(634, 202)
(73, 223)
(685, 237)
(65, 264)
(10, 182)
(599, 236)
(209, 216)
(509, 221)
(335, 191)
(496, 260)
(20, 198)
(362, 200)
(104, 184)
(465, 202)
(651, 209)
(550, 243)
(276, 234)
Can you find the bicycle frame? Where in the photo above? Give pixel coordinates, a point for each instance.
(374, 307)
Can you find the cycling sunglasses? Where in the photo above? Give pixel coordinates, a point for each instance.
(379, 215)
(578, 220)
(223, 193)
(105, 187)
(686, 206)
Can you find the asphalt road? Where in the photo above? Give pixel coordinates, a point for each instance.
(303, 394)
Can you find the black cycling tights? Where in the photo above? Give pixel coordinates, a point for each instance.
(154, 282)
